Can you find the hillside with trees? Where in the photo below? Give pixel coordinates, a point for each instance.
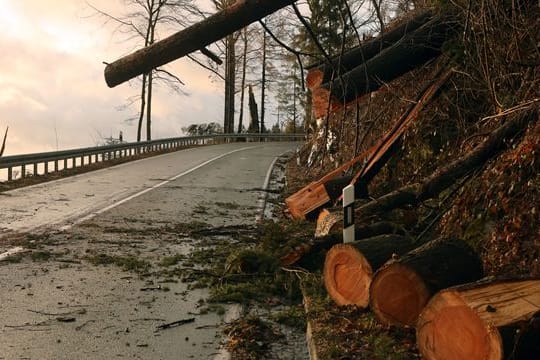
(430, 109)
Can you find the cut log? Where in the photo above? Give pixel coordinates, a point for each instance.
(414, 50)
(320, 243)
(488, 320)
(349, 268)
(444, 177)
(195, 37)
(400, 289)
(315, 195)
(322, 73)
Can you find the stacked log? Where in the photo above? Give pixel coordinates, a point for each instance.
(400, 289)
(490, 319)
(349, 268)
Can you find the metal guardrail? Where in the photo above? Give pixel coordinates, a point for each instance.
(51, 161)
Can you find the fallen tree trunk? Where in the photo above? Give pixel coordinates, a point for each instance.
(323, 73)
(444, 177)
(326, 242)
(492, 319)
(400, 289)
(313, 196)
(195, 37)
(414, 50)
(349, 268)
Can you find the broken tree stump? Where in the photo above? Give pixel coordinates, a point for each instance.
(413, 51)
(400, 289)
(349, 268)
(323, 73)
(490, 319)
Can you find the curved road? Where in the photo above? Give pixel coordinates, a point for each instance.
(64, 307)
(59, 204)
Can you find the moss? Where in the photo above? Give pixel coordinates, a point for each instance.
(127, 263)
(294, 316)
(228, 205)
(171, 260)
(41, 255)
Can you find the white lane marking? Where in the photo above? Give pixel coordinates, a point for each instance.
(142, 192)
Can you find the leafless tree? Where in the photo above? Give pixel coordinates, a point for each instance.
(141, 22)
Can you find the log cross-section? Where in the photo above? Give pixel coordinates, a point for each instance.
(488, 320)
(400, 289)
(195, 37)
(349, 268)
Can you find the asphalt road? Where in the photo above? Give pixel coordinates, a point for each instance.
(64, 307)
(62, 203)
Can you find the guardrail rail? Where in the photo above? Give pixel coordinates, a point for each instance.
(55, 161)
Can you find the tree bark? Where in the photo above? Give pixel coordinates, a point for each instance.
(263, 83)
(348, 268)
(243, 83)
(149, 108)
(400, 289)
(195, 37)
(142, 109)
(253, 111)
(230, 77)
(322, 73)
(490, 319)
(414, 50)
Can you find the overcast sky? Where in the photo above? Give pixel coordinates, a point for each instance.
(52, 90)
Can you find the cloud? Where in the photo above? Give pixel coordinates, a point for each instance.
(51, 75)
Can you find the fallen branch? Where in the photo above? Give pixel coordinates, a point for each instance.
(413, 194)
(175, 324)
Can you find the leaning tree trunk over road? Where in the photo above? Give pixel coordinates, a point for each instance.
(324, 72)
(348, 268)
(488, 320)
(400, 289)
(195, 37)
(414, 50)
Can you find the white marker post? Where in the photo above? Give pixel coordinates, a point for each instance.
(348, 214)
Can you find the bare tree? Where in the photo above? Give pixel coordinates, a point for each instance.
(141, 21)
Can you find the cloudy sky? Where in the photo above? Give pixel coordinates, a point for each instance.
(52, 91)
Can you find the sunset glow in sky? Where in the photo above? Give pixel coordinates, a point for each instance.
(52, 91)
